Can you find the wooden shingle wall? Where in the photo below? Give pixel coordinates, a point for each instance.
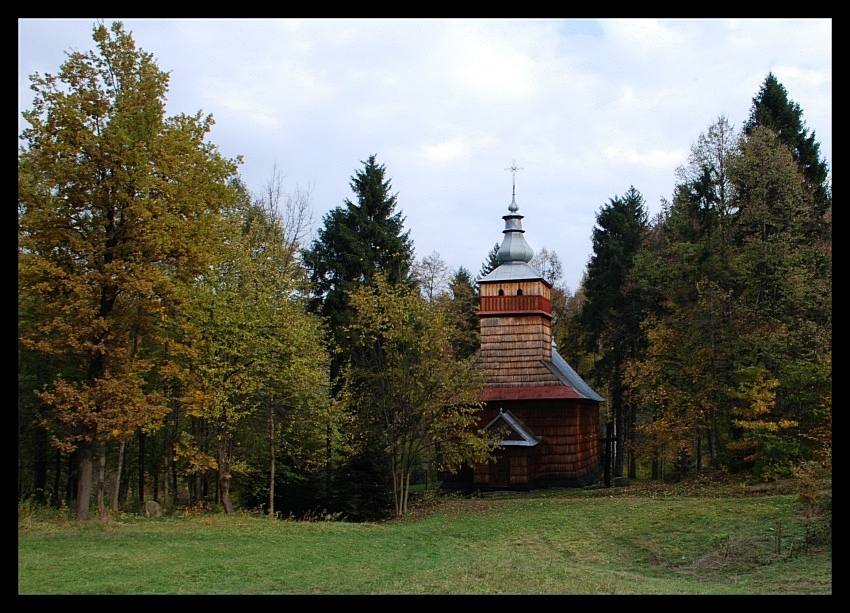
(511, 350)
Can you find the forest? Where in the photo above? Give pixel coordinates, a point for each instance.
(184, 340)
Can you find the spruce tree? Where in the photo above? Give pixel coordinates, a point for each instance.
(772, 108)
(611, 316)
(463, 313)
(491, 263)
(358, 241)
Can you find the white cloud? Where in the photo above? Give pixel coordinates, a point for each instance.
(586, 107)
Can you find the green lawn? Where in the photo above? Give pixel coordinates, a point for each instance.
(615, 541)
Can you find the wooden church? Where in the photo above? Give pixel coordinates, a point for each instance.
(544, 414)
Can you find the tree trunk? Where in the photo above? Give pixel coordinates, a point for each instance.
(57, 479)
(271, 459)
(199, 489)
(396, 501)
(609, 441)
(40, 466)
(72, 485)
(169, 449)
(714, 460)
(173, 463)
(115, 494)
(155, 484)
(712, 411)
(699, 450)
(124, 491)
(224, 476)
(84, 478)
(101, 481)
(328, 466)
(406, 490)
(142, 469)
(632, 442)
(166, 500)
(618, 434)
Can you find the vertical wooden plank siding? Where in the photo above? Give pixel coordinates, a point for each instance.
(520, 304)
(509, 288)
(569, 449)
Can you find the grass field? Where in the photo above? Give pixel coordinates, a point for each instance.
(642, 539)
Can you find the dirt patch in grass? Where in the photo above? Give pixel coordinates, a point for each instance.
(737, 552)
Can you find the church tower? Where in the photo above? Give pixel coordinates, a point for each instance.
(516, 313)
(544, 415)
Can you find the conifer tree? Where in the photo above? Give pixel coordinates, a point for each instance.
(611, 315)
(356, 241)
(773, 109)
(491, 262)
(463, 314)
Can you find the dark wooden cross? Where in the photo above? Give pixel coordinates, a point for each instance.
(609, 445)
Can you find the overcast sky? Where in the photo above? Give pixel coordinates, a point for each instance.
(586, 108)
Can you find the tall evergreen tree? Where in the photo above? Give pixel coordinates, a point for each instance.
(612, 313)
(773, 109)
(356, 241)
(463, 314)
(491, 262)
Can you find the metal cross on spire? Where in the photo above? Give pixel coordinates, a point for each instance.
(513, 168)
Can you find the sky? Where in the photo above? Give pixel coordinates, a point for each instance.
(583, 108)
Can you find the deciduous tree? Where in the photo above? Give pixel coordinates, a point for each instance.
(417, 398)
(548, 264)
(260, 354)
(432, 276)
(116, 205)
